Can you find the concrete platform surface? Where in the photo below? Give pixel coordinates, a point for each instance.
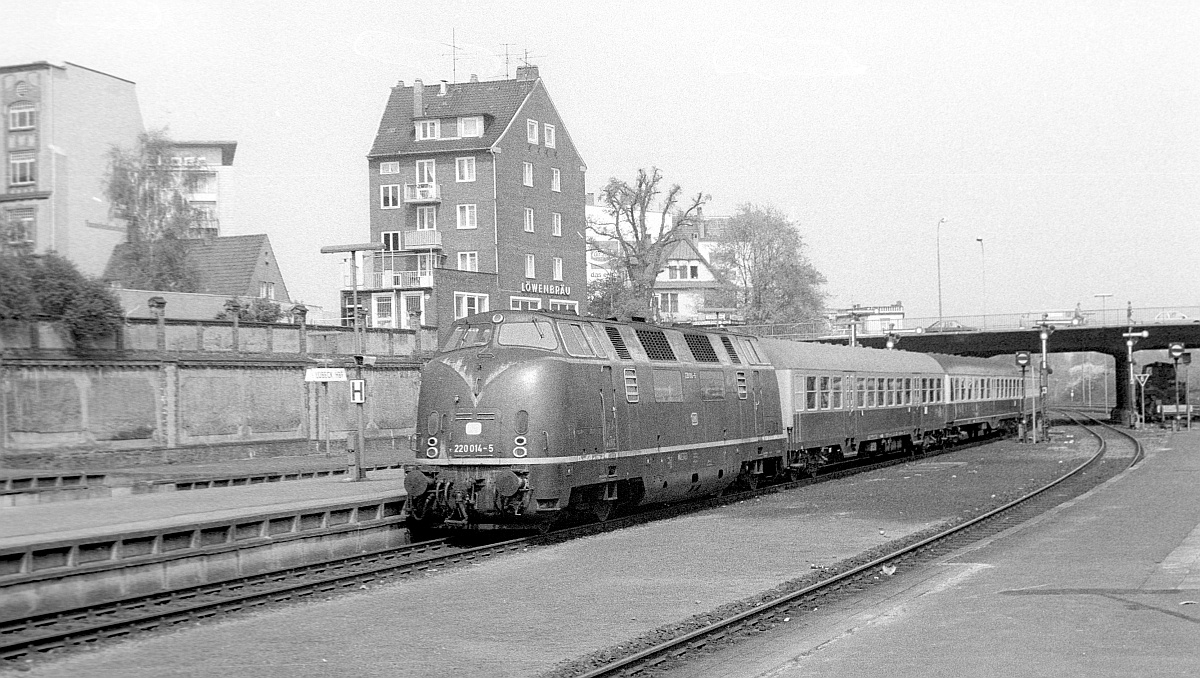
(77, 519)
(1106, 585)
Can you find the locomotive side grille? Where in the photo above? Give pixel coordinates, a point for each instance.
(618, 343)
(701, 348)
(729, 349)
(655, 343)
(474, 416)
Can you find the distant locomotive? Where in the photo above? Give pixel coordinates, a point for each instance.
(529, 416)
(1159, 389)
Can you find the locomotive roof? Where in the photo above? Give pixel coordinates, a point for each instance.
(798, 355)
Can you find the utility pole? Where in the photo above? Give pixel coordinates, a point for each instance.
(358, 391)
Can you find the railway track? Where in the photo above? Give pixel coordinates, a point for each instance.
(856, 578)
(46, 634)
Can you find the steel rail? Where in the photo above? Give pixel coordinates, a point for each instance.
(676, 647)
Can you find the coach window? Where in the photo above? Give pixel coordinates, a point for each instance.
(835, 393)
(823, 403)
(810, 393)
(860, 400)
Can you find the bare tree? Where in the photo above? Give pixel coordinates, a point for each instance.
(646, 223)
(761, 255)
(150, 194)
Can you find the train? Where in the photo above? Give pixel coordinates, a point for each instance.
(531, 418)
(1160, 390)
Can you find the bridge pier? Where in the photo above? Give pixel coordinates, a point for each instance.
(1126, 405)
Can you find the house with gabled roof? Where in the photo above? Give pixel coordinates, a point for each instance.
(237, 266)
(477, 198)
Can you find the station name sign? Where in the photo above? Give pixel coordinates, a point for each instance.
(542, 288)
(325, 374)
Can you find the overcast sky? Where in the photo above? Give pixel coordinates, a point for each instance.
(1065, 134)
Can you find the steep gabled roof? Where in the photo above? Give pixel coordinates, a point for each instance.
(496, 100)
(225, 265)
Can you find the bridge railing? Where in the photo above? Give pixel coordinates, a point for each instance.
(1098, 317)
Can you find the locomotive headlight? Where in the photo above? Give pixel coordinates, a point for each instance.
(520, 452)
(431, 452)
(519, 441)
(432, 442)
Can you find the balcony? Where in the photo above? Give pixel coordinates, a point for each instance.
(400, 280)
(420, 194)
(386, 270)
(423, 240)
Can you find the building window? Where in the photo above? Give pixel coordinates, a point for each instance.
(683, 270)
(22, 115)
(555, 179)
(266, 290)
(530, 267)
(564, 306)
(470, 127)
(531, 131)
(389, 167)
(558, 268)
(464, 169)
(21, 226)
(466, 216)
(556, 227)
(466, 304)
(527, 173)
(468, 261)
(428, 129)
(22, 168)
(391, 241)
(548, 135)
(426, 172)
(389, 196)
(524, 304)
(384, 304)
(529, 220)
(668, 302)
(427, 218)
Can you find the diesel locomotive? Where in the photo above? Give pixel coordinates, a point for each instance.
(527, 417)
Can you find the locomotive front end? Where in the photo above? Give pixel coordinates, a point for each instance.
(488, 412)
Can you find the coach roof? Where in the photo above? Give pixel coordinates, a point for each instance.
(797, 355)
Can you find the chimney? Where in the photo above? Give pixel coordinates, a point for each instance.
(527, 73)
(418, 104)
(442, 89)
(400, 83)
(474, 78)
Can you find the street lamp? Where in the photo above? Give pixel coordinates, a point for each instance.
(1103, 297)
(354, 470)
(1043, 387)
(939, 267)
(983, 274)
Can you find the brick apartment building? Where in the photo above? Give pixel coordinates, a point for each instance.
(477, 196)
(59, 123)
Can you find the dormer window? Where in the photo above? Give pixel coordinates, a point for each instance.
(428, 129)
(470, 127)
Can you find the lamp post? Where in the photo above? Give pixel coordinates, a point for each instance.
(354, 463)
(983, 275)
(939, 267)
(1103, 297)
(1131, 338)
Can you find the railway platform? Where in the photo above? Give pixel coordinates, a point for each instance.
(1105, 585)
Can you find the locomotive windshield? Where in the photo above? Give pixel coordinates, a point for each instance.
(467, 336)
(535, 333)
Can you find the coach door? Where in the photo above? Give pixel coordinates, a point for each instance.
(608, 405)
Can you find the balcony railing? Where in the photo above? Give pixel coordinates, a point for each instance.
(422, 240)
(422, 193)
(402, 280)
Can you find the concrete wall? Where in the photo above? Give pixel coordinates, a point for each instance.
(180, 392)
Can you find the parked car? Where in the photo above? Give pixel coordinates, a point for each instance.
(950, 326)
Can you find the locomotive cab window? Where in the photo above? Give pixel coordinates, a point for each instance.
(576, 340)
(536, 333)
(668, 386)
(712, 385)
(467, 336)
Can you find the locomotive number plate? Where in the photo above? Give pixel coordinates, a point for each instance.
(473, 449)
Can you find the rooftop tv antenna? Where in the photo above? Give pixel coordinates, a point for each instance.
(454, 50)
